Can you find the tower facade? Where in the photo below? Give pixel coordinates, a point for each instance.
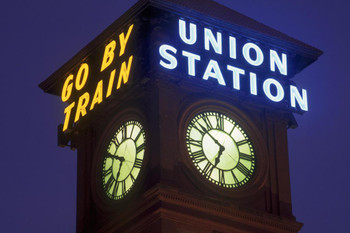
(179, 112)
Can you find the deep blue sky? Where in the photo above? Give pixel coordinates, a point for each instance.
(38, 179)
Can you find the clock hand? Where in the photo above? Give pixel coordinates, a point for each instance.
(120, 166)
(217, 159)
(109, 155)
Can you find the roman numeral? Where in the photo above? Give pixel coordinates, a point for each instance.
(245, 156)
(208, 169)
(138, 163)
(195, 142)
(240, 143)
(207, 123)
(132, 178)
(107, 172)
(242, 169)
(234, 177)
(132, 130)
(109, 183)
(124, 129)
(201, 129)
(198, 156)
(219, 122)
(138, 135)
(140, 148)
(123, 187)
(222, 176)
(115, 190)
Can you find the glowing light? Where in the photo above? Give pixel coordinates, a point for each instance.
(267, 89)
(275, 60)
(110, 83)
(253, 88)
(259, 54)
(123, 40)
(233, 52)
(163, 51)
(97, 99)
(191, 62)
(124, 72)
(236, 72)
(81, 107)
(213, 66)
(209, 39)
(296, 97)
(80, 83)
(193, 32)
(108, 55)
(67, 88)
(67, 112)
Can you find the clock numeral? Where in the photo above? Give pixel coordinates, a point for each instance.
(200, 129)
(198, 156)
(107, 172)
(207, 123)
(222, 176)
(240, 143)
(123, 187)
(234, 177)
(140, 148)
(124, 131)
(132, 129)
(138, 163)
(242, 169)
(195, 142)
(245, 156)
(208, 169)
(132, 178)
(219, 122)
(138, 135)
(109, 183)
(115, 142)
(115, 190)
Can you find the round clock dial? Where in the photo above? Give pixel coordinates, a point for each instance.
(123, 159)
(220, 149)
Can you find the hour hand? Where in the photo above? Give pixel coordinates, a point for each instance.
(217, 159)
(121, 159)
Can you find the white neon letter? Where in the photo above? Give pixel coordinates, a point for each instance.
(295, 95)
(182, 32)
(275, 60)
(267, 89)
(191, 62)
(163, 51)
(213, 65)
(259, 54)
(233, 52)
(253, 89)
(236, 72)
(216, 43)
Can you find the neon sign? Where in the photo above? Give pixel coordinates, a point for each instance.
(77, 90)
(233, 61)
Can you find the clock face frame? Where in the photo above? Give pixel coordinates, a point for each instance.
(220, 149)
(123, 159)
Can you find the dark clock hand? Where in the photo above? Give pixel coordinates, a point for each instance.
(217, 159)
(120, 166)
(121, 159)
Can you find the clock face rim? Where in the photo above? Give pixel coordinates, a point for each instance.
(101, 135)
(220, 147)
(243, 116)
(132, 142)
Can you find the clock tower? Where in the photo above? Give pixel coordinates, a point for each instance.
(179, 113)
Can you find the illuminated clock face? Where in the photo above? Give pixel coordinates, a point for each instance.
(220, 149)
(123, 160)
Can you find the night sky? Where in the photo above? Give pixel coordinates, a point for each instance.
(38, 179)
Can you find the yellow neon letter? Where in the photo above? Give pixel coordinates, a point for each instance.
(67, 112)
(108, 56)
(124, 72)
(79, 84)
(67, 88)
(81, 108)
(98, 95)
(110, 84)
(123, 40)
